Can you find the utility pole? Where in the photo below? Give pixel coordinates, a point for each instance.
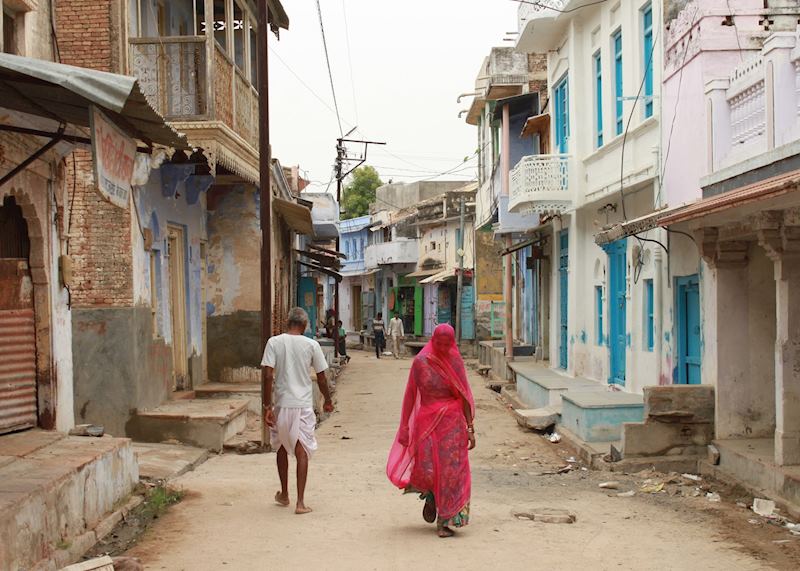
(508, 275)
(265, 191)
(341, 158)
(460, 286)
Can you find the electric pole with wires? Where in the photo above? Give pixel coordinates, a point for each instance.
(344, 166)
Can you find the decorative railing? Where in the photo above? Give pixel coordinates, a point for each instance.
(172, 74)
(540, 185)
(748, 103)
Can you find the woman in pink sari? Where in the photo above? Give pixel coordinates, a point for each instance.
(429, 455)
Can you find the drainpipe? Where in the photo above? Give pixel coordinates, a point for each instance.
(658, 318)
(504, 186)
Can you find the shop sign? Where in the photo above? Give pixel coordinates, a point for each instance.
(114, 155)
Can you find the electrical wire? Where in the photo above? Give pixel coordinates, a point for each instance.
(545, 6)
(330, 73)
(350, 60)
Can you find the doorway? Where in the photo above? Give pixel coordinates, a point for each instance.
(617, 314)
(355, 318)
(18, 404)
(176, 250)
(563, 291)
(687, 290)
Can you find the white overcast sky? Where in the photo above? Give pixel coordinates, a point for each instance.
(410, 61)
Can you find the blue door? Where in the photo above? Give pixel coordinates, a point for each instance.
(563, 279)
(618, 334)
(307, 299)
(468, 312)
(561, 104)
(687, 290)
(533, 303)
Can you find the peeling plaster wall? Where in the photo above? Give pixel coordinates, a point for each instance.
(488, 280)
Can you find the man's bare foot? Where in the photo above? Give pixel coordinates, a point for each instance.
(302, 509)
(281, 499)
(445, 532)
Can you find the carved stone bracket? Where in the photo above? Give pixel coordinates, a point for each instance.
(721, 253)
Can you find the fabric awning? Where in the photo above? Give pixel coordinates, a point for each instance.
(65, 93)
(297, 217)
(424, 273)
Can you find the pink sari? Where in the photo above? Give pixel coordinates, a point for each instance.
(429, 453)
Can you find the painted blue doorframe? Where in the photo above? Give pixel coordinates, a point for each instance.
(563, 275)
(307, 299)
(617, 310)
(687, 325)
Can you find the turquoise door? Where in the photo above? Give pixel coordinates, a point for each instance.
(563, 291)
(468, 312)
(307, 299)
(687, 290)
(617, 310)
(561, 104)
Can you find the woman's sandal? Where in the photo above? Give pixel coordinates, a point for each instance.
(429, 511)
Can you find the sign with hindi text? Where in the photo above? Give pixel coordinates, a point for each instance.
(114, 155)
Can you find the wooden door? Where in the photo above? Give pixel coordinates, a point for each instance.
(355, 299)
(177, 307)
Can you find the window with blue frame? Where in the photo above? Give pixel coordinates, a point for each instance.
(561, 104)
(597, 65)
(598, 304)
(648, 308)
(616, 45)
(647, 49)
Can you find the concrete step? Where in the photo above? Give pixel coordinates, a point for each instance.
(598, 416)
(160, 462)
(59, 495)
(540, 386)
(206, 423)
(539, 418)
(244, 391)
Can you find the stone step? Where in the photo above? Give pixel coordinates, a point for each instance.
(161, 462)
(538, 418)
(539, 386)
(206, 423)
(58, 495)
(245, 391)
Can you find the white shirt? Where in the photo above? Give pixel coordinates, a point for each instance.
(291, 356)
(396, 327)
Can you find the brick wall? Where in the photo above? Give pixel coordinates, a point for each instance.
(100, 245)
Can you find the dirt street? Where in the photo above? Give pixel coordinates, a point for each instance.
(229, 521)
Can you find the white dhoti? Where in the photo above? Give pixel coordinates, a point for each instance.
(293, 425)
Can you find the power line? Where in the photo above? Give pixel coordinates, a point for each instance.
(350, 60)
(330, 73)
(545, 6)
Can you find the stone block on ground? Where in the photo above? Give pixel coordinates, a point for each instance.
(661, 439)
(679, 404)
(158, 461)
(537, 419)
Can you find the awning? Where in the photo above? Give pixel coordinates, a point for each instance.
(424, 273)
(440, 276)
(762, 190)
(524, 244)
(297, 217)
(276, 16)
(335, 275)
(323, 260)
(538, 124)
(65, 93)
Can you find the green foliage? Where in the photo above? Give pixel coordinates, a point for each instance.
(159, 498)
(360, 192)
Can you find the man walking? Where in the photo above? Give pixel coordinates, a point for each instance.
(287, 359)
(396, 333)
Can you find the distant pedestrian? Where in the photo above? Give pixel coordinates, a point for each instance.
(396, 334)
(342, 341)
(430, 452)
(287, 358)
(379, 332)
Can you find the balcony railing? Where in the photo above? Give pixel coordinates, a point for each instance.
(394, 252)
(753, 110)
(174, 74)
(540, 185)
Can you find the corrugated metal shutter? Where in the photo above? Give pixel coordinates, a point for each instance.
(17, 370)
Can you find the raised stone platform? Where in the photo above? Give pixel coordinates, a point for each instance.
(159, 462)
(598, 416)
(244, 391)
(540, 386)
(206, 423)
(59, 494)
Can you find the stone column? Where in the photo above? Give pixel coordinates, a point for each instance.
(783, 247)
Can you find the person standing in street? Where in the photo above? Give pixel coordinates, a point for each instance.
(396, 334)
(379, 332)
(430, 454)
(287, 358)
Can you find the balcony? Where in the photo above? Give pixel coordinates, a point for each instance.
(756, 109)
(536, 24)
(540, 185)
(395, 252)
(175, 74)
(504, 74)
